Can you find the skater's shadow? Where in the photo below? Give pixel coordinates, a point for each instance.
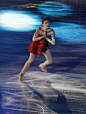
(67, 65)
(56, 103)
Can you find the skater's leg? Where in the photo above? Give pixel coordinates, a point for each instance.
(48, 61)
(27, 64)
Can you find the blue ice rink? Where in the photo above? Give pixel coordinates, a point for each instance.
(63, 89)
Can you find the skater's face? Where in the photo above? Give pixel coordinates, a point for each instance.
(46, 24)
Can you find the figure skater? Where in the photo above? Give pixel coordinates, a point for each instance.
(40, 44)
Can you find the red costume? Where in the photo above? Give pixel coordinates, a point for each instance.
(36, 47)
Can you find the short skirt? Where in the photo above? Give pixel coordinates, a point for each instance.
(36, 47)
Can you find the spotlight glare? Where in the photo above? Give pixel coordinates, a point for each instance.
(55, 9)
(70, 32)
(19, 21)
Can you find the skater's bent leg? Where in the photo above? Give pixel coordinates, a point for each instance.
(27, 64)
(48, 57)
(48, 61)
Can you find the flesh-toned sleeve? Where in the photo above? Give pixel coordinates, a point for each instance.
(36, 32)
(35, 35)
(52, 34)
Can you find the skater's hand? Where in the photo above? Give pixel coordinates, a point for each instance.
(45, 33)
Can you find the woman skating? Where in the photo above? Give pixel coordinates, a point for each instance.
(39, 44)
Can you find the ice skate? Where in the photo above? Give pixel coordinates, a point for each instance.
(42, 68)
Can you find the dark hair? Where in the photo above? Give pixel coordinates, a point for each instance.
(44, 19)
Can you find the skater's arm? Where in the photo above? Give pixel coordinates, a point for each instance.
(52, 36)
(35, 35)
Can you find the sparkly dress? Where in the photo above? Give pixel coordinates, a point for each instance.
(36, 47)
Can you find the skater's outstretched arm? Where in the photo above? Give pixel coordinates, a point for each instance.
(35, 35)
